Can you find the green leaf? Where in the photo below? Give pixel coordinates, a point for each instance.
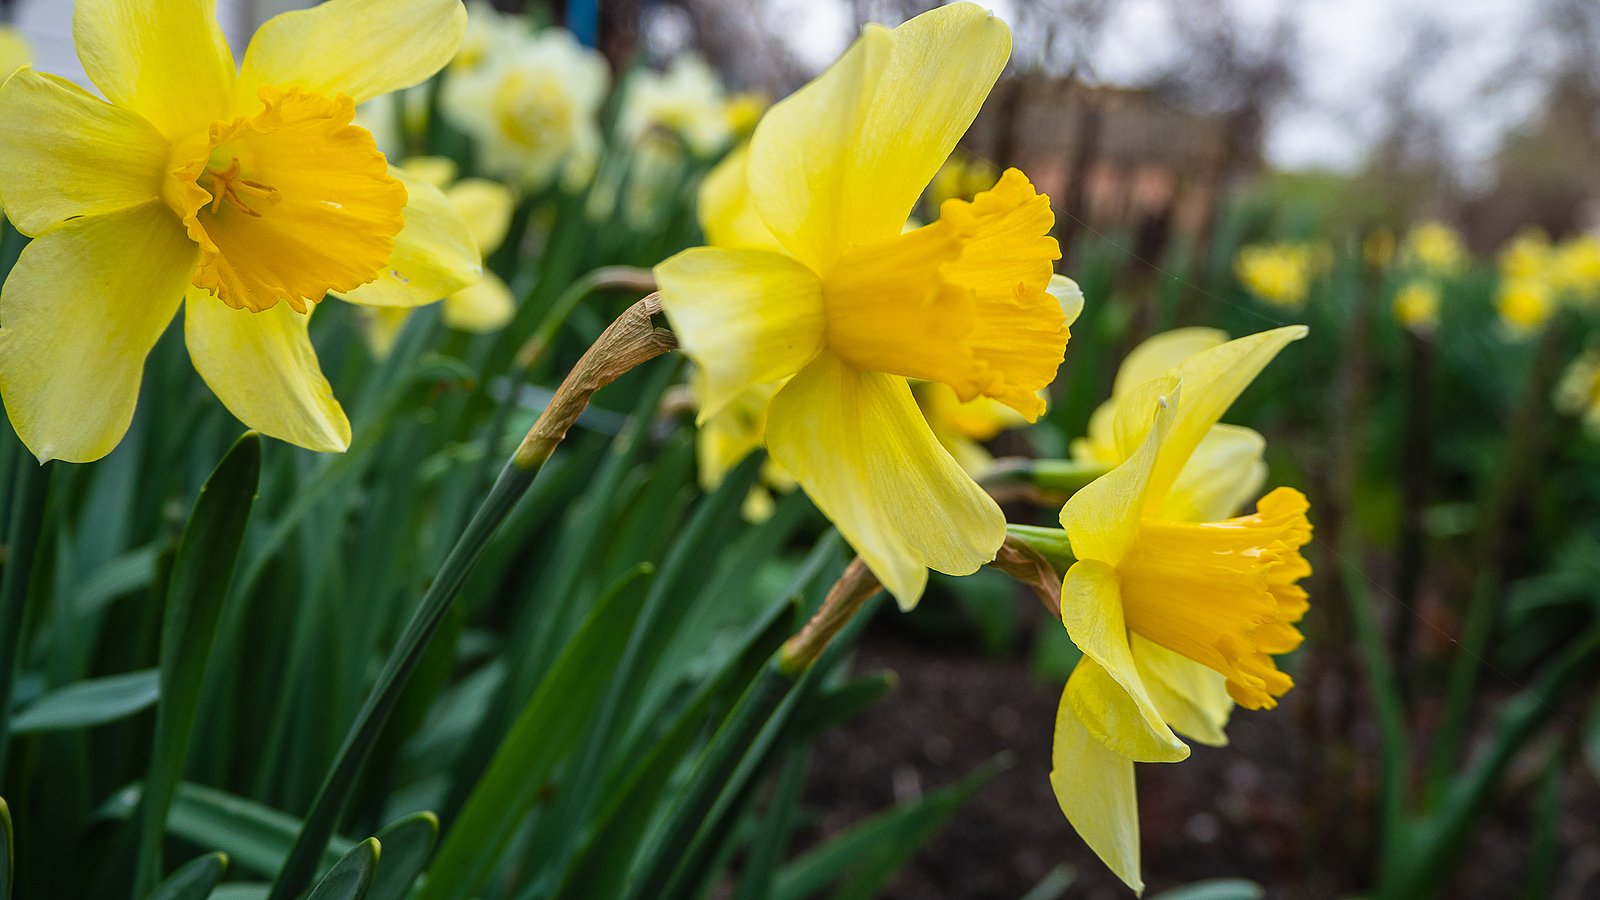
(194, 880)
(835, 705)
(254, 890)
(8, 862)
(1052, 885)
(1215, 889)
(352, 876)
(255, 837)
(85, 704)
(201, 573)
(542, 736)
(406, 843)
(861, 860)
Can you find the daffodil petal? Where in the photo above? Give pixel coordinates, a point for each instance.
(841, 162)
(65, 153)
(261, 365)
(80, 311)
(486, 208)
(727, 214)
(1068, 294)
(1223, 474)
(363, 48)
(859, 446)
(1106, 690)
(745, 316)
(166, 60)
(1212, 380)
(1161, 353)
(1095, 789)
(1192, 697)
(1102, 518)
(480, 308)
(434, 254)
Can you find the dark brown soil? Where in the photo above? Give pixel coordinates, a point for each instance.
(1250, 810)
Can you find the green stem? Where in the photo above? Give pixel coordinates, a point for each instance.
(629, 342)
(1066, 476)
(1051, 543)
(29, 492)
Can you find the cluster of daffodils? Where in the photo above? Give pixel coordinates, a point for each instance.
(530, 100)
(242, 193)
(871, 356)
(1280, 274)
(1538, 277)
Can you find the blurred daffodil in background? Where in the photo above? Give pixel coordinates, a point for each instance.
(1279, 274)
(1435, 248)
(15, 51)
(1578, 392)
(530, 101)
(849, 308)
(248, 193)
(485, 206)
(1178, 603)
(1524, 305)
(686, 101)
(962, 177)
(1416, 305)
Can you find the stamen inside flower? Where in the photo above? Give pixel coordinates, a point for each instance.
(288, 204)
(1224, 594)
(962, 301)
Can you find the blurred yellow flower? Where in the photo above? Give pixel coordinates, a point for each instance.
(1436, 248)
(15, 52)
(687, 100)
(1178, 604)
(962, 177)
(744, 111)
(1524, 305)
(1578, 393)
(532, 106)
(849, 308)
(1576, 269)
(1416, 305)
(247, 193)
(479, 308)
(1527, 256)
(1279, 274)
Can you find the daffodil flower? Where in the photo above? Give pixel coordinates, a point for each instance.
(1177, 604)
(246, 192)
(482, 307)
(1416, 305)
(848, 308)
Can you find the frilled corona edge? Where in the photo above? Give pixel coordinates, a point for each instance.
(630, 341)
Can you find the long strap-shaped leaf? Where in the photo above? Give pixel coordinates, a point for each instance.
(201, 574)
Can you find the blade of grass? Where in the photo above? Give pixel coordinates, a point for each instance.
(406, 844)
(352, 876)
(197, 591)
(194, 880)
(29, 489)
(541, 738)
(86, 704)
(631, 341)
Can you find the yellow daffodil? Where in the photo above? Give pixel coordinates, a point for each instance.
(532, 107)
(687, 100)
(1578, 393)
(733, 432)
(1416, 305)
(244, 195)
(1436, 248)
(1524, 305)
(1279, 274)
(848, 308)
(484, 306)
(962, 177)
(1576, 269)
(1527, 256)
(744, 110)
(964, 427)
(15, 52)
(1177, 603)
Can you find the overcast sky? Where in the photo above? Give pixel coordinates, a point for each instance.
(1349, 48)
